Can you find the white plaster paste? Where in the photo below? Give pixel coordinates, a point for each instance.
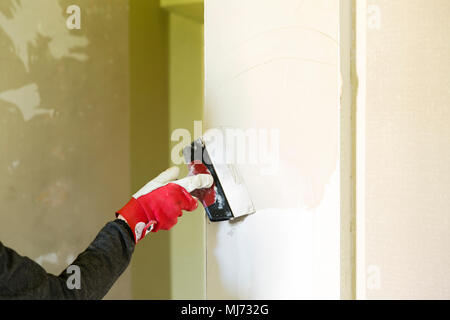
(281, 253)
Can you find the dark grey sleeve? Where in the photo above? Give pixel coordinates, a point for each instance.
(99, 266)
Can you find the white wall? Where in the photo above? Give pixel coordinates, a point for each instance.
(275, 65)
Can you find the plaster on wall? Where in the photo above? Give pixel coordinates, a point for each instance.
(27, 100)
(275, 65)
(27, 21)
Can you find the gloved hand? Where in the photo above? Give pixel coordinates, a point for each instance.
(158, 204)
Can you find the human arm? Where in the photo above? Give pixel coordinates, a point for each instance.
(100, 265)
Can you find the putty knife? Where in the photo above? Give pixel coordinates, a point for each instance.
(228, 197)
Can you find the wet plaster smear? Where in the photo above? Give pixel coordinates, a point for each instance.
(274, 65)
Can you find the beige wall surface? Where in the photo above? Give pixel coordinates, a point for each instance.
(64, 127)
(274, 66)
(404, 221)
(166, 87)
(149, 145)
(187, 239)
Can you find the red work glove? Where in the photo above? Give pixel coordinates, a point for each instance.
(160, 202)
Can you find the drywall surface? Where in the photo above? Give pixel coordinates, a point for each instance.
(272, 67)
(404, 138)
(64, 139)
(187, 238)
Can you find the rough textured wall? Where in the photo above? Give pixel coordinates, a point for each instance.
(64, 127)
(404, 250)
(275, 65)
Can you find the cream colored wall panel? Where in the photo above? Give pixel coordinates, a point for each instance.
(404, 152)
